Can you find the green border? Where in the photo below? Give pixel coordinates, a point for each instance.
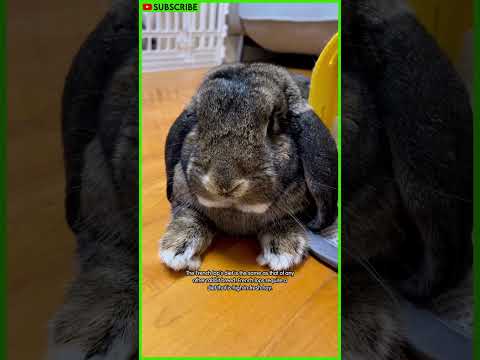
(3, 180)
(140, 180)
(339, 182)
(476, 179)
(140, 9)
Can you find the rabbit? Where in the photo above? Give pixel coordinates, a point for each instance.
(99, 316)
(248, 156)
(406, 176)
(422, 115)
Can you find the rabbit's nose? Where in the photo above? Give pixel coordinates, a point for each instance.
(233, 188)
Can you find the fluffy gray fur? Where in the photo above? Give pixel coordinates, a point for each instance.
(407, 177)
(248, 157)
(99, 316)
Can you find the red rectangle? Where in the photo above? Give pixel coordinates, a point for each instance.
(147, 7)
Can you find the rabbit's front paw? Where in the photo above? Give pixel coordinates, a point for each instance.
(180, 260)
(282, 251)
(183, 243)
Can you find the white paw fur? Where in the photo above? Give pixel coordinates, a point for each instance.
(181, 261)
(278, 262)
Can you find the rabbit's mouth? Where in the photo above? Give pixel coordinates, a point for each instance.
(219, 203)
(257, 208)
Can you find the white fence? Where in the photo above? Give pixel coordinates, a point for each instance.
(184, 40)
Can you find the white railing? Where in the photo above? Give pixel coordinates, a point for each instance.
(184, 40)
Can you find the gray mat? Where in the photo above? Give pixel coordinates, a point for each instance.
(324, 246)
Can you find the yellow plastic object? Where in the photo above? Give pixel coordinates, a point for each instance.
(323, 97)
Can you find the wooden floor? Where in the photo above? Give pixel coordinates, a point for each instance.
(184, 319)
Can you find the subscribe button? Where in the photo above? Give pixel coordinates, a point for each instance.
(183, 7)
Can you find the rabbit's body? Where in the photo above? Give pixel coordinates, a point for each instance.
(406, 173)
(242, 219)
(248, 157)
(99, 317)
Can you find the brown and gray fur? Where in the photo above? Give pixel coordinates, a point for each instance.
(406, 178)
(98, 319)
(248, 157)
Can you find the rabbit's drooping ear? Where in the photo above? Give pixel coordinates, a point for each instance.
(318, 153)
(173, 147)
(103, 52)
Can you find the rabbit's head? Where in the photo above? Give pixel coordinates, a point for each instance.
(240, 149)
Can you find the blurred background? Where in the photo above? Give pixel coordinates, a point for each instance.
(452, 25)
(42, 38)
(292, 35)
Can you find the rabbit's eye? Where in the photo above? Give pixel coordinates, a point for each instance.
(200, 165)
